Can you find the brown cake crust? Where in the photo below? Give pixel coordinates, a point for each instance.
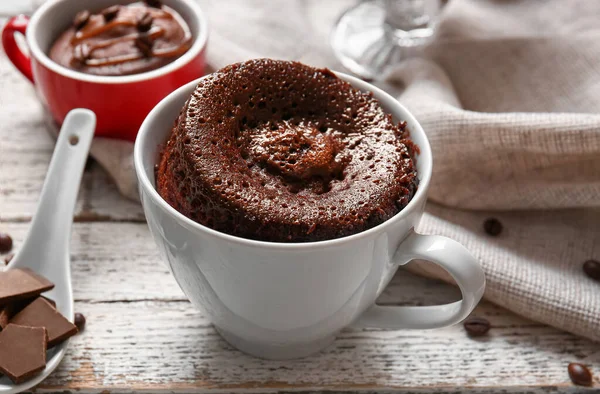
(280, 151)
(122, 40)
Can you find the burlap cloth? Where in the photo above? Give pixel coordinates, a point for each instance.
(509, 95)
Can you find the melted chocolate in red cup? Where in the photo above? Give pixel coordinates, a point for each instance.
(110, 42)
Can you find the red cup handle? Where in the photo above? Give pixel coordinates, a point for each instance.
(17, 24)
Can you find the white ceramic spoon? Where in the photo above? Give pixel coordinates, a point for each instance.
(46, 248)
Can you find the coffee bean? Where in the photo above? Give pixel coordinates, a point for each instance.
(79, 321)
(492, 226)
(110, 13)
(144, 23)
(580, 374)
(81, 19)
(8, 258)
(476, 326)
(154, 3)
(5, 243)
(144, 44)
(592, 269)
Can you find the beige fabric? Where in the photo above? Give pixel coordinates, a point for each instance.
(517, 128)
(510, 98)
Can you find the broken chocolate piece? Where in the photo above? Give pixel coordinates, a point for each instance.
(40, 313)
(39, 277)
(19, 284)
(9, 310)
(22, 352)
(51, 302)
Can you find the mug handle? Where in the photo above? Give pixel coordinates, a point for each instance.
(451, 256)
(17, 24)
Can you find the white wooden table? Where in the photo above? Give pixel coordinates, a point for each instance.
(143, 335)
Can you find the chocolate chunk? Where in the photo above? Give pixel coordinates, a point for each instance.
(492, 226)
(8, 258)
(40, 313)
(592, 269)
(144, 44)
(20, 284)
(110, 13)
(79, 321)
(476, 326)
(6, 243)
(39, 277)
(22, 352)
(154, 3)
(81, 19)
(81, 53)
(580, 374)
(51, 302)
(144, 23)
(8, 311)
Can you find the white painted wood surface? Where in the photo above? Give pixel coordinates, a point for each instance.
(143, 335)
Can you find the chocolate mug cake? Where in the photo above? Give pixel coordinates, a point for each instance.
(123, 39)
(284, 152)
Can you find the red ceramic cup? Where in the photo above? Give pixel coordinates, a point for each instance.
(120, 103)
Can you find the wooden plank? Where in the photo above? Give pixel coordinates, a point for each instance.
(106, 256)
(168, 347)
(25, 147)
(25, 151)
(142, 335)
(98, 200)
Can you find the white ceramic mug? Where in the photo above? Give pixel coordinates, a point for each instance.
(288, 300)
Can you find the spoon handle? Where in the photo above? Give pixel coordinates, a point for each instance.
(46, 248)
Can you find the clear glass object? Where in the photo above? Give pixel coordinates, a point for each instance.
(374, 35)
